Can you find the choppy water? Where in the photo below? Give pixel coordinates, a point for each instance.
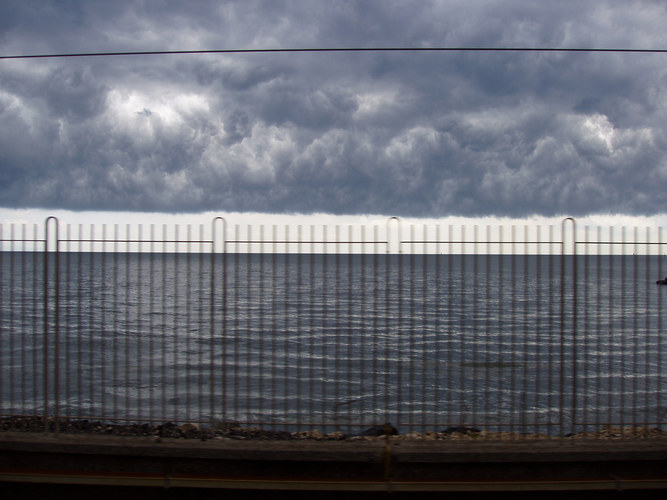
(294, 341)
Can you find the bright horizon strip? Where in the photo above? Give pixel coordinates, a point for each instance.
(256, 232)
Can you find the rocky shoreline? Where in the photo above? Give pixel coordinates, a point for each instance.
(170, 430)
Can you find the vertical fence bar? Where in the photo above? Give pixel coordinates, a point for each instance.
(389, 332)
(437, 389)
(349, 321)
(586, 319)
(561, 386)
(103, 313)
(475, 334)
(35, 321)
(398, 354)
(188, 322)
(248, 323)
(12, 323)
(462, 393)
(534, 328)
(4, 300)
(287, 324)
(51, 224)
(216, 249)
(659, 335)
(163, 308)
(125, 326)
(539, 337)
(298, 328)
(450, 322)
(274, 321)
(598, 329)
(410, 330)
(574, 325)
(176, 258)
(140, 284)
(12, 312)
(610, 336)
(375, 326)
(353, 399)
(114, 323)
(151, 324)
(513, 301)
(325, 325)
(88, 294)
(302, 337)
(261, 347)
(501, 316)
(202, 417)
(225, 321)
(313, 335)
(337, 319)
(635, 336)
(56, 337)
(647, 327)
(235, 326)
(23, 307)
(36, 308)
(623, 330)
(426, 328)
(550, 328)
(525, 344)
(574, 319)
(487, 329)
(361, 336)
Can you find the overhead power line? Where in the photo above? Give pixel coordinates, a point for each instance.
(333, 49)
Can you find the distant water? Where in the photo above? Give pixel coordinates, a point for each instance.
(520, 343)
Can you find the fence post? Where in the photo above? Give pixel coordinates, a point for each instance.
(574, 317)
(218, 245)
(387, 299)
(51, 238)
(397, 237)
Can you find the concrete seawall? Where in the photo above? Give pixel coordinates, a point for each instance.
(377, 465)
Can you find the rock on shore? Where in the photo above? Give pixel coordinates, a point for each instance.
(231, 430)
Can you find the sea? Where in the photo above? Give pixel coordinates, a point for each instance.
(546, 344)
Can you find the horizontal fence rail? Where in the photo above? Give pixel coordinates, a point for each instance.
(490, 331)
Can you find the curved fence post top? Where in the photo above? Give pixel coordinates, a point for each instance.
(573, 224)
(51, 228)
(215, 222)
(398, 234)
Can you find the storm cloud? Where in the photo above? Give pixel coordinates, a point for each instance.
(419, 134)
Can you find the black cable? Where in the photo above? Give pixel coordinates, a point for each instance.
(337, 49)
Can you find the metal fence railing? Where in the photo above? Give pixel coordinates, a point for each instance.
(490, 331)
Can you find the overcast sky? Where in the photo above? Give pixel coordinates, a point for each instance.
(402, 133)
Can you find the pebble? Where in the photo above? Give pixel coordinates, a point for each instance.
(27, 423)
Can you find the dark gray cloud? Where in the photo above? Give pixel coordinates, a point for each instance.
(413, 134)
